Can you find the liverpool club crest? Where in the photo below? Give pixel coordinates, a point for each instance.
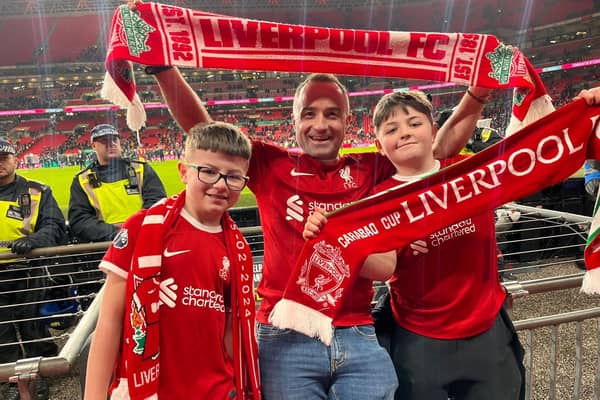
(322, 274)
(132, 31)
(504, 61)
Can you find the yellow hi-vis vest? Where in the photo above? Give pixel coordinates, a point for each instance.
(112, 201)
(14, 225)
(486, 134)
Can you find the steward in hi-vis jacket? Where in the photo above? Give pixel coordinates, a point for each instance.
(110, 190)
(29, 218)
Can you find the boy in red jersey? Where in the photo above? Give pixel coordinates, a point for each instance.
(449, 340)
(452, 337)
(187, 258)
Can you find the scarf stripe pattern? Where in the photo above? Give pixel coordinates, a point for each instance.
(243, 310)
(141, 335)
(542, 154)
(161, 34)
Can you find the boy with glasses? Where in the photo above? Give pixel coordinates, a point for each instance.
(185, 257)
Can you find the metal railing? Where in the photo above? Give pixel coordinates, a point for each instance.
(541, 237)
(530, 325)
(80, 257)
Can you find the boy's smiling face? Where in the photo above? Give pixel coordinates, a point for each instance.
(406, 139)
(208, 202)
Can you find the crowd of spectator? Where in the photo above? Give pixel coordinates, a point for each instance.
(162, 138)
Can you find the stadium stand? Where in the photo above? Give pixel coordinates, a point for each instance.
(48, 143)
(33, 125)
(39, 71)
(273, 123)
(87, 33)
(27, 42)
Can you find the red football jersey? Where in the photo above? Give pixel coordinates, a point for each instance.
(288, 187)
(446, 284)
(193, 360)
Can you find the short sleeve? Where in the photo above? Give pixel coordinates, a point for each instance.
(263, 155)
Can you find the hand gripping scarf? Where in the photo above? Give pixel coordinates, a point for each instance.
(145, 292)
(540, 155)
(161, 34)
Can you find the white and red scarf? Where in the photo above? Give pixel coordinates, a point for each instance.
(591, 280)
(161, 34)
(145, 291)
(542, 154)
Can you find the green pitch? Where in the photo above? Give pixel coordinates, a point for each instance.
(59, 179)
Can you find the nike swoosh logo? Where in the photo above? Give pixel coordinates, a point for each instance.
(168, 253)
(293, 172)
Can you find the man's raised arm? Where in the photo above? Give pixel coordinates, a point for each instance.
(183, 102)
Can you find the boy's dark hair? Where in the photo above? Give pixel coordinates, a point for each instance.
(219, 137)
(319, 77)
(386, 105)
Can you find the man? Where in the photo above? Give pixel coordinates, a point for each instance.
(30, 218)
(110, 190)
(288, 187)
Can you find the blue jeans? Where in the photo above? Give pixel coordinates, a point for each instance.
(297, 367)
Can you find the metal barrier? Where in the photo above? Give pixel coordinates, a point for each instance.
(540, 237)
(61, 268)
(59, 283)
(565, 244)
(528, 326)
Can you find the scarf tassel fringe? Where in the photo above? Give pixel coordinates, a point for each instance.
(539, 108)
(591, 282)
(136, 114)
(288, 314)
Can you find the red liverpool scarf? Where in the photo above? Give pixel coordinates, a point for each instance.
(161, 34)
(540, 155)
(591, 280)
(145, 292)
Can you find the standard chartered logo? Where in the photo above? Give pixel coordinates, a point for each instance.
(454, 231)
(203, 298)
(295, 207)
(294, 210)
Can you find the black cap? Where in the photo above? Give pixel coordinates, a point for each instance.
(103, 130)
(7, 147)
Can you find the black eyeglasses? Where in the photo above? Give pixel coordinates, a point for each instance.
(211, 176)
